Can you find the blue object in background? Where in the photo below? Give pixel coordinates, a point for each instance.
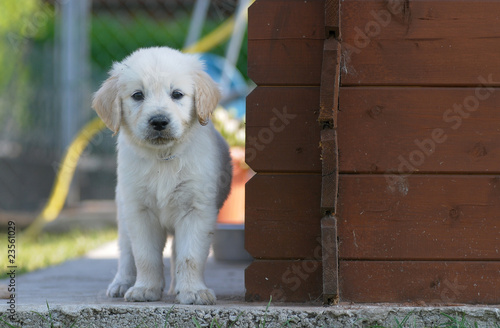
(233, 95)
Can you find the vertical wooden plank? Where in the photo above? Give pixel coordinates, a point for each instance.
(330, 171)
(329, 90)
(332, 18)
(329, 94)
(330, 260)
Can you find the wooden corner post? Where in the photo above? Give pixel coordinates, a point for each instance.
(329, 90)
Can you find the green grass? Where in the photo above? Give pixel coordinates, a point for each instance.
(450, 322)
(51, 248)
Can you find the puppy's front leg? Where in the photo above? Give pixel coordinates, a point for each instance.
(172, 291)
(148, 240)
(125, 277)
(193, 235)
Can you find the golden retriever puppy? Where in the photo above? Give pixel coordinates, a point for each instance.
(174, 171)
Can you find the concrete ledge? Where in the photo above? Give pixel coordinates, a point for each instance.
(244, 315)
(76, 294)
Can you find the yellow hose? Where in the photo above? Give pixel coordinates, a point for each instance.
(217, 36)
(66, 171)
(64, 177)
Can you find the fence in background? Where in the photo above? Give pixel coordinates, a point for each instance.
(54, 54)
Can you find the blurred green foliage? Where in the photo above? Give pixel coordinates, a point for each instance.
(29, 24)
(29, 99)
(114, 36)
(20, 23)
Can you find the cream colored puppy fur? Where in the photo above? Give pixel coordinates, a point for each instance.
(174, 171)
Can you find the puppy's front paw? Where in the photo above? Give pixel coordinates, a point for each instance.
(200, 297)
(118, 289)
(143, 294)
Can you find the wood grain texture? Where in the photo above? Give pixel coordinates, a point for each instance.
(430, 282)
(332, 19)
(282, 131)
(330, 260)
(428, 43)
(419, 217)
(286, 19)
(419, 237)
(330, 79)
(381, 45)
(285, 62)
(419, 130)
(285, 281)
(422, 19)
(282, 218)
(329, 172)
(285, 42)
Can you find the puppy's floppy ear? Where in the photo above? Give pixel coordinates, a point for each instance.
(107, 104)
(206, 97)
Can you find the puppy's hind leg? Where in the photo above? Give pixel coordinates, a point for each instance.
(125, 277)
(193, 235)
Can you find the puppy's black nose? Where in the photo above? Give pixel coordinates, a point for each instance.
(159, 122)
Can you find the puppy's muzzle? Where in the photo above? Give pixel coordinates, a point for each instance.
(159, 122)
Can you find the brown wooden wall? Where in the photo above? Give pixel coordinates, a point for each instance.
(285, 42)
(419, 151)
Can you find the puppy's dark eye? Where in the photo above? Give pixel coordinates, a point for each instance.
(176, 95)
(138, 96)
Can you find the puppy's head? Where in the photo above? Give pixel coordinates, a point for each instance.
(156, 95)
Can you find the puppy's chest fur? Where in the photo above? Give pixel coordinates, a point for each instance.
(164, 188)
